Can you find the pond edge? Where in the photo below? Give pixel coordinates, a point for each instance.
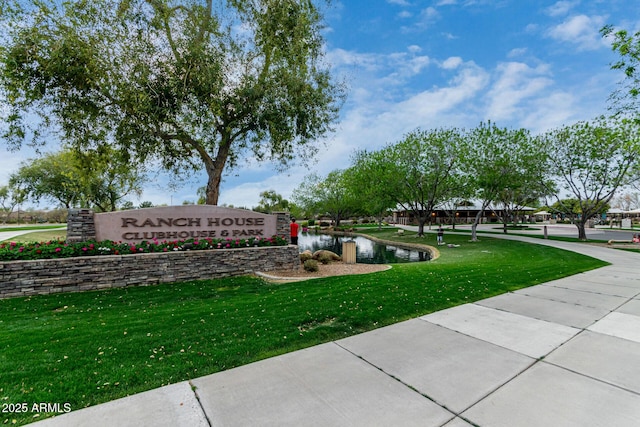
(435, 253)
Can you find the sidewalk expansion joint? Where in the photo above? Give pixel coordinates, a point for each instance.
(195, 393)
(409, 386)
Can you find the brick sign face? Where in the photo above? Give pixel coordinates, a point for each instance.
(183, 222)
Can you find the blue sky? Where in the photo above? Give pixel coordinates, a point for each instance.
(440, 63)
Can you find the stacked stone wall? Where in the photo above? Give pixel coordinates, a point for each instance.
(24, 278)
(282, 225)
(81, 225)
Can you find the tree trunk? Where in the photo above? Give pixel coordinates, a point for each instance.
(582, 232)
(213, 186)
(214, 169)
(474, 235)
(421, 223)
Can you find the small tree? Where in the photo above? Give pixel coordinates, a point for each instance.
(567, 209)
(146, 204)
(270, 201)
(10, 197)
(527, 192)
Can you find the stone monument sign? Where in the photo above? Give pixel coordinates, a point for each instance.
(183, 222)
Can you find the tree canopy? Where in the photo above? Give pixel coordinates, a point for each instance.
(195, 84)
(330, 196)
(591, 161)
(416, 172)
(10, 197)
(270, 201)
(95, 179)
(498, 165)
(627, 45)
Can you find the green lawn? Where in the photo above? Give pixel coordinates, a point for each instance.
(88, 348)
(514, 232)
(31, 227)
(40, 236)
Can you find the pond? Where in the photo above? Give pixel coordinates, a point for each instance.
(367, 251)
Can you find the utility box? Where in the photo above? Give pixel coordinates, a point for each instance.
(349, 252)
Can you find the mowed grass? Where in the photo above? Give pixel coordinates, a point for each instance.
(39, 236)
(92, 347)
(30, 227)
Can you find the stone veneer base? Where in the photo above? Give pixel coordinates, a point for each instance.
(41, 277)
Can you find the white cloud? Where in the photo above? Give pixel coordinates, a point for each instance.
(561, 8)
(451, 63)
(340, 58)
(550, 111)
(580, 30)
(516, 84)
(429, 13)
(378, 72)
(436, 107)
(424, 20)
(8, 164)
(399, 2)
(514, 53)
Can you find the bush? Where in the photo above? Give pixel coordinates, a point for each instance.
(311, 265)
(304, 256)
(325, 258)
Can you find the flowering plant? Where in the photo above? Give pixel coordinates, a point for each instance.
(60, 249)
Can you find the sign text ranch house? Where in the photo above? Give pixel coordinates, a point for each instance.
(183, 222)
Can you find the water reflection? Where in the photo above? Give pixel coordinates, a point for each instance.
(367, 251)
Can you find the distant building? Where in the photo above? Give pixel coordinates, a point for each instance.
(463, 215)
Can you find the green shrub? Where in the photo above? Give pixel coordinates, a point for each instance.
(325, 258)
(311, 265)
(304, 256)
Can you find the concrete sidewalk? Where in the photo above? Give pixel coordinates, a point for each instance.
(564, 353)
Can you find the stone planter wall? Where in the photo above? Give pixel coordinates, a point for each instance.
(24, 278)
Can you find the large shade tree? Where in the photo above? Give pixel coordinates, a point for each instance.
(331, 196)
(590, 161)
(367, 179)
(417, 172)
(194, 83)
(498, 164)
(95, 179)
